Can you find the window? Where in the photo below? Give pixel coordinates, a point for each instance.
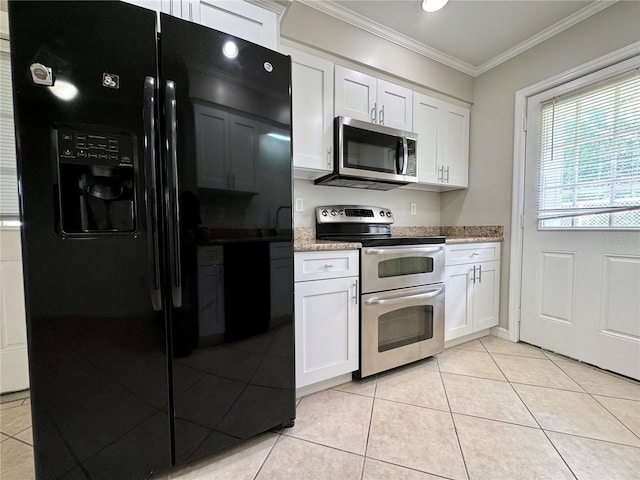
(589, 165)
(8, 174)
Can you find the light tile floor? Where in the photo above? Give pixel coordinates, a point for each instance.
(487, 409)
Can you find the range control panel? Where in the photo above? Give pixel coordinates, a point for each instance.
(83, 147)
(353, 214)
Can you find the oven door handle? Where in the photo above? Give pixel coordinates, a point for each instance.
(393, 250)
(390, 299)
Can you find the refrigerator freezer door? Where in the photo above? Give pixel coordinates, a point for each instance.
(232, 333)
(97, 347)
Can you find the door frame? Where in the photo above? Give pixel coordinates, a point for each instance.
(519, 154)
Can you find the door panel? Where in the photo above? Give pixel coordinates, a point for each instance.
(98, 365)
(579, 288)
(232, 348)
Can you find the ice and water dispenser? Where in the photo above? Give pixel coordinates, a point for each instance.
(96, 182)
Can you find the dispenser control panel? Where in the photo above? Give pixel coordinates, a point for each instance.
(84, 147)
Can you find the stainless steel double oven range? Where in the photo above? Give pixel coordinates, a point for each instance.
(401, 286)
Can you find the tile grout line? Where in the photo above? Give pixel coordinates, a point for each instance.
(453, 421)
(536, 420)
(366, 445)
(279, 436)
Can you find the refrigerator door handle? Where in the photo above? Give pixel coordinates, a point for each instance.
(172, 193)
(151, 190)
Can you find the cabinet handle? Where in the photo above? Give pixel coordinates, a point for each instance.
(479, 273)
(474, 274)
(381, 116)
(190, 12)
(327, 267)
(441, 173)
(374, 112)
(447, 175)
(355, 291)
(329, 163)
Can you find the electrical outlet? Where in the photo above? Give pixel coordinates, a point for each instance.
(299, 205)
(413, 209)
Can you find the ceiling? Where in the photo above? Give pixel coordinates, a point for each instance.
(472, 36)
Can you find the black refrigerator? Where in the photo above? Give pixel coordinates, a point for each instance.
(154, 165)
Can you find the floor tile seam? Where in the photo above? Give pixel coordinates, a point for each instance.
(366, 444)
(597, 369)
(505, 380)
(564, 460)
(279, 436)
(350, 393)
(18, 440)
(413, 404)
(453, 422)
(519, 356)
(637, 447)
(616, 417)
(413, 469)
(533, 427)
(568, 376)
(615, 397)
(525, 405)
(284, 434)
(582, 392)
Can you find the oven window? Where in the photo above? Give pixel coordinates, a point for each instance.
(397, 267)
(405, 326)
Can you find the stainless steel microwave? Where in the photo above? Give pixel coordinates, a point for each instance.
(367, 155)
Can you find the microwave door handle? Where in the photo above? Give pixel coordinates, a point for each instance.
(400, 156)
(405, 155)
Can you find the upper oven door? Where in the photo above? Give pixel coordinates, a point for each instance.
(374, 151)
(388, 268)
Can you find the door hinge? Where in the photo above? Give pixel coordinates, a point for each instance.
(522, 222)
(524, 124)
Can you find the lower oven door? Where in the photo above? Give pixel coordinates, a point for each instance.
(400, 327)
(388, 268)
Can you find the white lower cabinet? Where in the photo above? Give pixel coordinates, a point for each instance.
(472, 274)
(326, 315)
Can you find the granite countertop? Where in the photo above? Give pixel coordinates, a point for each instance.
(305, 237)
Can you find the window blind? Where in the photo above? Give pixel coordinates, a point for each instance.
(8, 171)
(589, 164)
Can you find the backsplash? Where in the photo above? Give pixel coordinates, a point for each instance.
(302, 234)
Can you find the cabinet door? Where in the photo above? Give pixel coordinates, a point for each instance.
(395, 106)
(241, 19)
(355, 95)
(426, 114)
(243, 161)
(486, 290)
(312, 99)
(211, 147)
(326, 329)
(458, 307)
(455, 147)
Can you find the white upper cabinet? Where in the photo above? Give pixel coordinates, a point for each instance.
(312, 99)
(363, 97)
(235, 17)
(443, 142)
(241, 19)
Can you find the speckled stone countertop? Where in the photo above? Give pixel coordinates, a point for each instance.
(305, 237)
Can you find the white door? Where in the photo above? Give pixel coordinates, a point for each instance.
(581, 286)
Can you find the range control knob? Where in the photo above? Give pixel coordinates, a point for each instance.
(325, 212)
(334, 212)
(388, 214)
(341, 212)
(382, 213)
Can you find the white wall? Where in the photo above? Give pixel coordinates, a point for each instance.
(489, 197)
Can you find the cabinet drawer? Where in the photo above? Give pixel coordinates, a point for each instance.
(321, 265)
(472, 253)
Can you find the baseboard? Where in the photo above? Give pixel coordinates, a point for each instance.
(501, 332)
(323, 385)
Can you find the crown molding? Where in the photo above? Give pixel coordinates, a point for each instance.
(381, 31)
(547, 33)
(330, 8)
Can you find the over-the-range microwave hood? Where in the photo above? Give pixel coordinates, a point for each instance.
(337, 180)
(371, 156)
